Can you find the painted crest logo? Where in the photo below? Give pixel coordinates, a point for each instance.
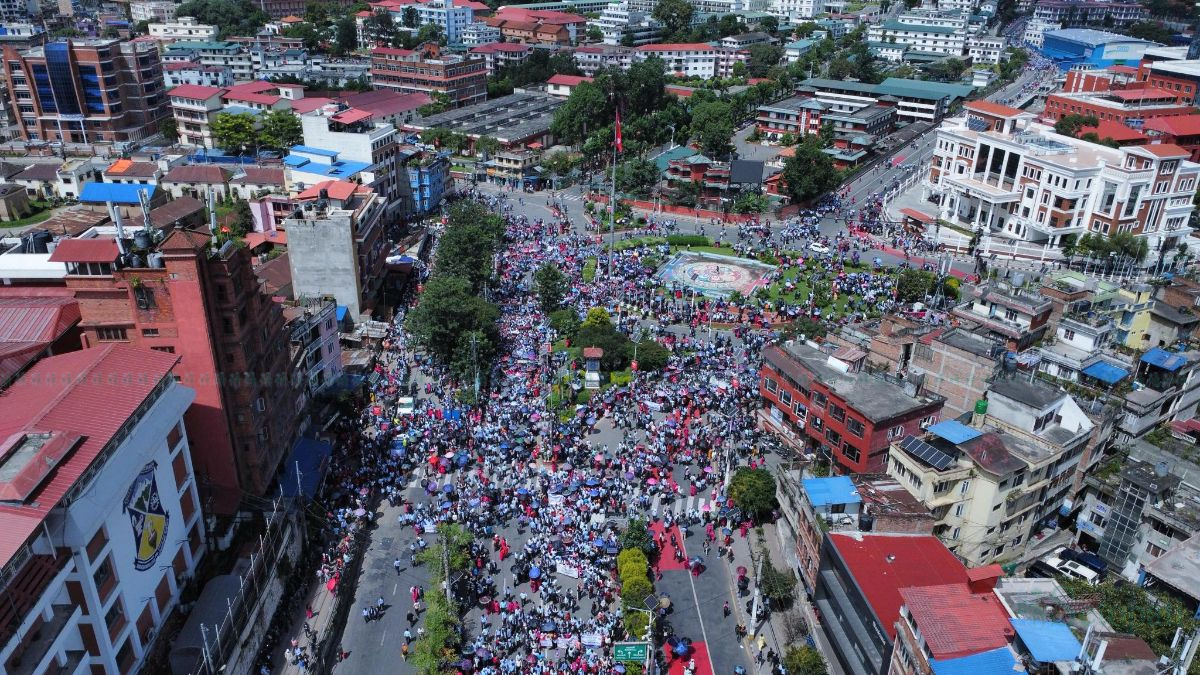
(147, 517)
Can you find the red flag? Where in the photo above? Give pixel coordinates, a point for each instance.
(620, 148)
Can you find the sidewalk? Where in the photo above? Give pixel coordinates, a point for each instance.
(773, 633)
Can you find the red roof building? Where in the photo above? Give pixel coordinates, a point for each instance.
(32, 327)
(428, 71)
(1121, 134)
(950, 621)
(859, 584)
(100, 523)
(1182, 130)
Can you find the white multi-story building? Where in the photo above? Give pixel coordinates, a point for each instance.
(101, 516)
(985, 50)
(186, 28)
(228, 55)
(796, 11)
(693, 59)
(997, 171)
(162, 11)
(176, 74)
(617, 20)
(194, 108)
(371, 143)
(501, 55)
(928, 38)
(592, 58)
(991, 484)
(1035, 31)
(18, 11)
(454, 19)
(479, 33)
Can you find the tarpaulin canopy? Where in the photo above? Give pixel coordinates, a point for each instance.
(1106, 372)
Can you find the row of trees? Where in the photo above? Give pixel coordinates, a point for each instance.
(454, 321)
(241, 132)
(597, 330)
(539, 67)
(439, 644)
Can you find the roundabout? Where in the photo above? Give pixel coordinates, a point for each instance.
(713, 274)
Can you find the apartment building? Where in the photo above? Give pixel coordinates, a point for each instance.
(1182, 76)
(187, 72)
(1075, 351)
(992, 484)
(220, 54)
(914, 100)
(926, 38)
(172, 294)
(985, 50)
(194, 108)
(538, 26)
(803, 115)
(184, 28)
(957, 364)
(693, 60)
(996, 171)
(85, 91)
(152, 11)
(1035, 31)
(1130, 106)
(796, 11)
(1093, 12)
(833, 408)
(954, 626)
(316, 351)
(479, 33)
(17, 11)
(499, 55)
(358, 138)
(1010, 316)
(463, 79)
(336, 244)
(618, 21)
(1166, 388)
(593, 58)
(102, 519)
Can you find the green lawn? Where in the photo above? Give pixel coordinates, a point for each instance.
(589, 270)
(36, 218)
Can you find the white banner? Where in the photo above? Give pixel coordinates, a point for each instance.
(556, 500)
(567, 570)
(591, 639)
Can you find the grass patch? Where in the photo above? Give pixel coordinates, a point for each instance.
(719, 250)
(34, 219)
(589, 270)
(638, 241)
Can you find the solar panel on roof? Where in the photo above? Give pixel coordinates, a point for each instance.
(926, 452)
(976, 124)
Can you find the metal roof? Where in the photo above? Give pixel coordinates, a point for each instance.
(954, 431)
(85, 250)
(833, 490)
(118, 193)
(995, 662)
(1164, 359)
(1047, 641)
(1105, 372)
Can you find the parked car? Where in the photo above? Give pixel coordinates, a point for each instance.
(818, 247)
(1085, 558)
(1053, 566)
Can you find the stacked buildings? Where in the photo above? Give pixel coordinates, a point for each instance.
(426, 70)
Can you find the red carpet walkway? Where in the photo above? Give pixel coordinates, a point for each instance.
(699, 652)
(666, 558)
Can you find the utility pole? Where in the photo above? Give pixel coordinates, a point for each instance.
(612, 193)
(475, 364)
(752, 628)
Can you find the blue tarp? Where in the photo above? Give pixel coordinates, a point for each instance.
(117, 193)
(954, 431)
(310, 456)
(1164, 359)
(834, 490)
(995, 662)
(1047, 641)
(341, 313)
(1105, 372)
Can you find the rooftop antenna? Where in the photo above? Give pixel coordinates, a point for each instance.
(144, 200)
(115, 212)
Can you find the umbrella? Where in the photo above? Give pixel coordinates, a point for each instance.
(619, 668)
(593, 482)
(535, 417)
(364, 491)
(567, 466)
(680, 649)
(628, 475)
(446, 505)
(359, 513)
(697, 560)
(594, 492)
(706, 507)
(651, 481)
(449, 454)
(535, 572)
(447, 488)
(483, 653)
(726, 531)
(708, 469)
(522, 491)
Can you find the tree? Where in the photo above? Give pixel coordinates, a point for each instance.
(448, 312)
(637, 536)
(231, 17)
(281, 129)
(652, 356)
(739, 69)
(551, 286)
(234, 132)
(637, 176)
(345, 36)
(804, 661)
(409, 17)
(559, 163)
(594, 34)
(487, 144)
(597, 317)
(810, 328)
(753, 491)
(597, 330)
(763, 57)
(380, 28)
(431, 32)
(169, 129)
(142, 27)
(914, 285)
(564, 322)
(1153, 31)
(769, 24)
(809, 173)
(712, 127)
(1069, 125)
(440, 103)
(778, 586)
(306, 32)
(674, 15)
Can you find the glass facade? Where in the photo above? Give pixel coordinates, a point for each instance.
(62, 78)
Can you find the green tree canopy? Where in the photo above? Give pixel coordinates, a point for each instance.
(637, 176)
(674, 15)
(234, 133)
(306, 32)
(753, 491)
(712, 127)
(636, 535)
(804, 661)
(1069, 125)
(450, 309)
(169, 129)
(552, 286)
(809, 173)
(652, 356)
(231, 17)
(281, 129)
(345, 38)
(763, 57)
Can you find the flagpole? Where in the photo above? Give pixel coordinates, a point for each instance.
(612, 216)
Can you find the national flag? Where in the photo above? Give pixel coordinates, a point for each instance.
(620, 147)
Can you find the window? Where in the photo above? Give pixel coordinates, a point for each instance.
(852, 454)
(149, 332)
(959, 509)
(785, 397)
(837, 412)
(855, 427)
(1068, 334)
(816, 423)
(963, 487)
(955, 532)
(1097, 519)
(1153, 551)
(1010, 315)
(895, 432)
(168, 350)
(834, 438)
(770, 384)
(110, 334)
(818, 399)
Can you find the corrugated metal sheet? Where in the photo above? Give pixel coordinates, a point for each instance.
(91, 393)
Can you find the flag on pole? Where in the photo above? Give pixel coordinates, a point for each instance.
(620, 148)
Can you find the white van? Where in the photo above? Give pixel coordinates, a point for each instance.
(1073, 569)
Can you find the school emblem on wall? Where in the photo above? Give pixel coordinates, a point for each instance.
(147, 517)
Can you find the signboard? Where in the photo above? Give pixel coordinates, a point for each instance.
(631, 651)
(567, 570)
(556, 500)
(591, 639)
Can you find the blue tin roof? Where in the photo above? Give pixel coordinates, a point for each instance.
(1164, 359)
(833, 490)
(1106, 372)
(117, 193)
(310, 150)
(954, 431)
(1047, 641)
(335, 171)
(995, 662)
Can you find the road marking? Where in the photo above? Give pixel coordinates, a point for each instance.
(699, 615)
(383, 637)
(394, 587)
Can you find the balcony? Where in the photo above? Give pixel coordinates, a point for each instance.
(36, 646)
(979, 190)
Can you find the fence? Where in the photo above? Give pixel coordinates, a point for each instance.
(222, 646)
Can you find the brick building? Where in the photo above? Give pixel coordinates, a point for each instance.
(84, 91)
(177, 295)
(463, 79)
(847, 416)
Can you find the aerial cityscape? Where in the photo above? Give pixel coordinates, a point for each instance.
(671, 337)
